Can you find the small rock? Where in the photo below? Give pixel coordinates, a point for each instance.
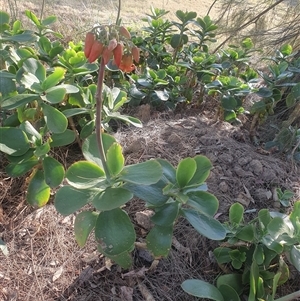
(174, 139)
(242, 173)
(223, 186)
(143, 219)
(256, 167)
(269, 176)
(226, 158)
(244, 160)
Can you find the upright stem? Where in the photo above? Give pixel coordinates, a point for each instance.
(119, 12)
(99, 103)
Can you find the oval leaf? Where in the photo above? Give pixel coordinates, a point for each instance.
(68, 199)
(205, 225)
(203, 169)
(14, 141)
(115, 159)
(84, 174)
(20, 168)
(54, 172)
(112, 198)
(65, 138)
(38, 192)
(229, 293)
(84, 223)
(201, 289)
(90, 147)
(54, 78)
(166, 214)
(54, 95)
(203, 201)
(159, 240)
(56, 121)
(145, 173)
(114, 232)
(185, 171)
(236, 213)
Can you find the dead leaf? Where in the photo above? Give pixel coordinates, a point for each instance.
(85, 275)
(57, 274)
(179, 247)
(145, 292)
(140, 273)
(126, 293)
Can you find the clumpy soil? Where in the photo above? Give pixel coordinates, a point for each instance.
(45, 262)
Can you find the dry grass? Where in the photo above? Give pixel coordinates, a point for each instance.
(76, 17)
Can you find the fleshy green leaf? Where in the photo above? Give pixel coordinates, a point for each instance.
(233, 280)
(56, 121)
(54, 95)
(145, 173)
(159, 240)
(35, 67)
(112, 198)
(14, 141)
(201, 289)
(229, 293)
(85, 222)
(54, 78)
(185, 171)
(205, 225)
(20, 168)
(115, 159)
(124, 259)
(152, 194)
(168, 170)
(166, 215)
(264, 218)
(278, 226)
(54, 172)
(38, 192)
(69, 199)
(246, 233)
(84, 174)
(18, 101)
(295, 257)
(295, 216)
(203, 169)
(61, 139)
(90, 147)
(114, 232)
(203, 201)
(236, 213)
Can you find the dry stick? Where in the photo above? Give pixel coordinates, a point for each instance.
(119, 12)
(210, 8)
(253, 20)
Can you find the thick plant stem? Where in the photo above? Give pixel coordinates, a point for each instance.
(289, 297)
(98, 118)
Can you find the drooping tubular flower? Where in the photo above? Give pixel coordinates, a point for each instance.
(108, 42)
(127, 63)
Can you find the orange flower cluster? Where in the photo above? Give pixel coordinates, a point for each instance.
(95, 48)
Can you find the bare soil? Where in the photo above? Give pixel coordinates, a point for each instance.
(45, 262)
